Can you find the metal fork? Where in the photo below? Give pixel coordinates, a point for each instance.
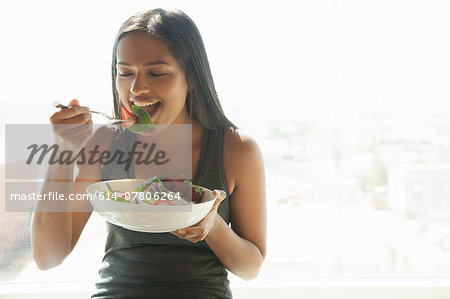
(111, 120)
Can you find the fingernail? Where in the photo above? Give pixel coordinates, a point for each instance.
(222, 192)
(181, 231)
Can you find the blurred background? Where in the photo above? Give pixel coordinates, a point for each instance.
(348, 100)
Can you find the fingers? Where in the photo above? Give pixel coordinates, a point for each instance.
(72, 126)
(74, 102)
(221, 195)
(72, 115)
(198, 231)
(193, 234)
(83, 118)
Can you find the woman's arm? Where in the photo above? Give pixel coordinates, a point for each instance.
(57, 225)
(51, 231)
(241, 248)
(54, 234)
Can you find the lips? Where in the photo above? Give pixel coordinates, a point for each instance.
(150, 106)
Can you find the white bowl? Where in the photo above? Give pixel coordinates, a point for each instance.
(145, 217)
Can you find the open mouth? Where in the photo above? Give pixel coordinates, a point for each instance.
(150, 108)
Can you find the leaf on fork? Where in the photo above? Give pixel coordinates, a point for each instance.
(138, 120)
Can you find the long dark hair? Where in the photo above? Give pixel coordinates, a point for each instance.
(185, 43)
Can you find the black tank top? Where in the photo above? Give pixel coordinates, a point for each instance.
(161, 265)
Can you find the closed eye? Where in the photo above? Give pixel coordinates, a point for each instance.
(151, 74)
(125, 74)
(157, 74)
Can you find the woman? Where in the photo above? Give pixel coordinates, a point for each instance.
(160, 64)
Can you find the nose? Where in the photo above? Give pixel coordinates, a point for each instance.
(140, 85)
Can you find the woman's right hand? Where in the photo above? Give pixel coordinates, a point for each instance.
(72, 126)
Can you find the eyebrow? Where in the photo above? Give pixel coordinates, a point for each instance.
(147, 64)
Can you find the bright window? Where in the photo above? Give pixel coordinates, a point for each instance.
(348, 100)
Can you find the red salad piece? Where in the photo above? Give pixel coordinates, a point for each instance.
(184, 187)
(196, 198)
(127, 115)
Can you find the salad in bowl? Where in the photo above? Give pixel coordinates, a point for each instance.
(152, 205)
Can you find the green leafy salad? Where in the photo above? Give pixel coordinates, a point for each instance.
(138, 120)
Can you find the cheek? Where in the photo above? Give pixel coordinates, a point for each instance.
(121, 85)
(176, 90)
(122, 90)
(118, 87)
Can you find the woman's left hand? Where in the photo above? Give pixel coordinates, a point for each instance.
(200, 230)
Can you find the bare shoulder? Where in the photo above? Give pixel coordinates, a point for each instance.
(242, 157)
(239, 142)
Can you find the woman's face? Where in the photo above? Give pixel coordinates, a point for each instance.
(148, 76)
